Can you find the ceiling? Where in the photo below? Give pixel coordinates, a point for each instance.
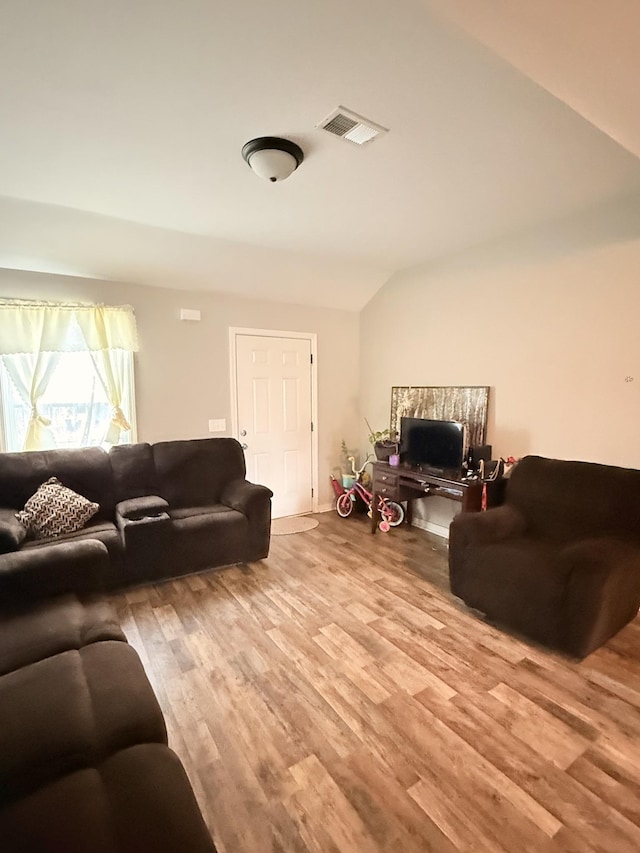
(585, 52)
(122, 126)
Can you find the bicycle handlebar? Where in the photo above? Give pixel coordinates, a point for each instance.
(358, 471)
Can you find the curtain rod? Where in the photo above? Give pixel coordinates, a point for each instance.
(73, 306)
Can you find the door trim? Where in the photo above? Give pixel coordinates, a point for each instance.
(312, 337)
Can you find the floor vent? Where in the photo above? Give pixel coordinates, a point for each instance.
(350, 126)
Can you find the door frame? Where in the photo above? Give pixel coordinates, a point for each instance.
(312, 337)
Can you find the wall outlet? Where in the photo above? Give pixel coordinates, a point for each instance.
(217, 425)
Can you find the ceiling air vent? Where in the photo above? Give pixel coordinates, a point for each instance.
(350, 126)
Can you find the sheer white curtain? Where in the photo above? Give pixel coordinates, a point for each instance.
(30, 375)
(35, 333)
(109, 333)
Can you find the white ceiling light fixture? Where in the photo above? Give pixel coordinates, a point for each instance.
(272, 158)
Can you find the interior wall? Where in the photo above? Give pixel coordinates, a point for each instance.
(182, 369)
(552, 329)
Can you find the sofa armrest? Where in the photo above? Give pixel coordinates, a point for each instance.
(146, 506)
(245, 497)
(484, 528)
(602, 591)
(37, 573)
(12, 532)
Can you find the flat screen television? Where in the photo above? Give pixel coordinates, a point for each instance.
(434, 445)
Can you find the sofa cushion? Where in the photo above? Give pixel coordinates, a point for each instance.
(37, 632)
(205, 540)
(34, 574)
(207, 509)
(55, 509)
(134, 472)
(87, 471)
(95, 529)
(564, 500)
(12, 531)
(102, 531)
(70, 711)
(194, 473)
(137, 801)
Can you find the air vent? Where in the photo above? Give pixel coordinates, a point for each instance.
(350, 126)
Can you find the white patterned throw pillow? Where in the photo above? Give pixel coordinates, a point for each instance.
(54, 509)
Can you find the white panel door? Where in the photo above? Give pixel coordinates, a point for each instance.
(273, 377)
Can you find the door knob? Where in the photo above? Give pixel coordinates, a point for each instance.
(243, 432)
(244, 446)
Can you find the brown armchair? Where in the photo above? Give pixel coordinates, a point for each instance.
(559, 561)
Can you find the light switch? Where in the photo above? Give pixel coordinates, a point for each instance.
(217, 425)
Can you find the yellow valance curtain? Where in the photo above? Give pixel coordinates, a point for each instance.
(32, 336)
(31, 327)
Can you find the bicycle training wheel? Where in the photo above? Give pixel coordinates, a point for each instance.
(344, 505)
(392, 513)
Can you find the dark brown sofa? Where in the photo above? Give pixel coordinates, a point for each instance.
(165, 509)
(85, 763)
(559, 561)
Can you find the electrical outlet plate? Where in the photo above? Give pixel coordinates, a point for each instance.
(217, 425)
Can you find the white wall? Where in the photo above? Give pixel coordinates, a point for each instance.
(552, 326)
(182, 369)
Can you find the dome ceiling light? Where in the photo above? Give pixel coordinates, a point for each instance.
(272, 158)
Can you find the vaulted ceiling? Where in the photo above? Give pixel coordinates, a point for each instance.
(585, 52)
(122, 124)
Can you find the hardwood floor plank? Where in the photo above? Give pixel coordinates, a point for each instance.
(323, 800)
(554, 740)
(612, 791)
(596, 704)
(461, 764)
(555, 790)
(447, 811)
(394, 819)
(368, 685)
(362, 612)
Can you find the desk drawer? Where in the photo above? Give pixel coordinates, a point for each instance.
(384, 483)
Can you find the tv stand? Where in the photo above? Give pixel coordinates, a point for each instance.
(405, 483)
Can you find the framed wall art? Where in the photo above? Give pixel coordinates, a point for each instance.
(467, 404)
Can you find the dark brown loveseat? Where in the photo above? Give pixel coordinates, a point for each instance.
(559, 561)
(85, 764)
(165, 509)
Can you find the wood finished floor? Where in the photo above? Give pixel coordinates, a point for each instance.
(336, 697)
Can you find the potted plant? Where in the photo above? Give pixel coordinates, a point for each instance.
(384, 442)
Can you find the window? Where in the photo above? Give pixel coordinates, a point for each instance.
(66, 375)
(75, 402)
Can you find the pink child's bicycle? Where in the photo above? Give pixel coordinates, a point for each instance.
(391, 512)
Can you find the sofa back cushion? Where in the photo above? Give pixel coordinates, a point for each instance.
(192, 473)
(134, 472)
(85, 470)
(564, 500)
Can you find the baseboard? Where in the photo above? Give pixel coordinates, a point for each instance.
(326, 507)
(430, 527)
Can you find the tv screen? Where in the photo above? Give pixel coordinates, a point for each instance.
(437, 445)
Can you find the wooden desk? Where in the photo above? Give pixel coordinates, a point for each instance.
(404, 483)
